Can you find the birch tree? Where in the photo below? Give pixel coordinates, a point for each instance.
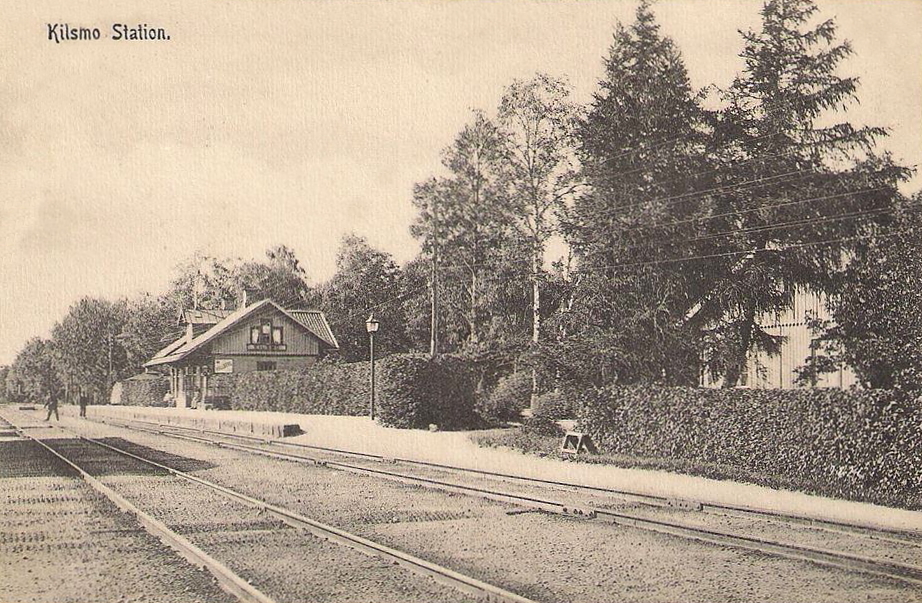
(536, 120)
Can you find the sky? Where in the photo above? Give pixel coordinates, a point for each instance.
(263, 122)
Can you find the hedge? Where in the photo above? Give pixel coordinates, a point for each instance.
(859, 444)
(148, 391)
(507, 401)
(326, 388)
(417, 391)
(413, 391)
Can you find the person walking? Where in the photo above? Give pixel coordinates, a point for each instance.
(83, 400)
(52, 405)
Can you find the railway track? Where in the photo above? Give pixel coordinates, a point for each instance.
(626, 495)
(648, 516)
(58, 536)
(272, 523)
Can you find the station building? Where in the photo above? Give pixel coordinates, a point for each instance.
(262, 336)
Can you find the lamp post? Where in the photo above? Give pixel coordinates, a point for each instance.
(371, 325)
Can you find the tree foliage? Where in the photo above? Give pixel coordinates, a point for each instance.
(877, 315)
(87, 344)
(463, 218)
(366, 281)
(33, 376)
(787, 182)
(644, 132)
(537, 121)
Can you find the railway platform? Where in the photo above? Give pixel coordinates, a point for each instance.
(456, 448)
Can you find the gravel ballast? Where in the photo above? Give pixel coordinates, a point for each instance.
(283, 562)
(62, 542)
(548, 558)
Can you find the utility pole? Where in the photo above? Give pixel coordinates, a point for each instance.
(434, 285)
(109, 373)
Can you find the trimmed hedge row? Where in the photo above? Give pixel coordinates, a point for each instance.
(417, 391)
(860, 444)
(413, 390)
(140, 392)
(327, 388)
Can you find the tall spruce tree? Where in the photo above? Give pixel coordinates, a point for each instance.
(642, 147)
(786, 181)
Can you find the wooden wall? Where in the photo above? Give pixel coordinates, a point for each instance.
(295, 338)
(779, 371)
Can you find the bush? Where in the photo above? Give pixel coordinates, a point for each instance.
(554, 406)
(417, 391)
(860, 444)
(147, 390)
(511, 396)
(542, 426)
(327, 388)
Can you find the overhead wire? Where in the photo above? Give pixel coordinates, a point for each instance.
(729, 233)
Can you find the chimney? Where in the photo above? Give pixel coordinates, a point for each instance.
(246, 294)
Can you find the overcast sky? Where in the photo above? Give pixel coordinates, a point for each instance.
(274, 121)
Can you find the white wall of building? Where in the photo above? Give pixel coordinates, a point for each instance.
(778, 371)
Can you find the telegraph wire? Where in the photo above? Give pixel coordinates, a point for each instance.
(726, 234)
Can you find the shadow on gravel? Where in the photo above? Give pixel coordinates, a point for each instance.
(25, 458)
(99, 461)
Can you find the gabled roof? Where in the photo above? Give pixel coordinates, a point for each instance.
(181, 348)
(145, 377)
(171, 347)
(316, 323)
(196, 316)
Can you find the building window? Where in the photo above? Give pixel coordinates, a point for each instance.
(265, 331)
(264, 336)
(265, 366)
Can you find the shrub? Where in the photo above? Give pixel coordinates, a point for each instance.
(856, 444)
(542, 426)
(511, 396)
(416, 391)
(147, 390)
(554, 406)
(327, 388)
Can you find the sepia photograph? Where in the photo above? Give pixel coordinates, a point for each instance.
(435, 301)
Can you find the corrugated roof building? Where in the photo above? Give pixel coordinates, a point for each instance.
(259, 337)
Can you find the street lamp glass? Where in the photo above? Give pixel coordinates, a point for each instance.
(371, 324)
